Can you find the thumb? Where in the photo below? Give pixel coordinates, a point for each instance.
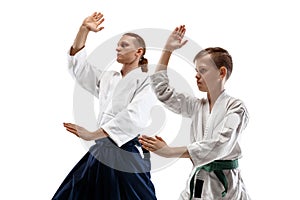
(99, 29)
(183, 43)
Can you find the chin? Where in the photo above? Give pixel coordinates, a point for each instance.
(119, 61)
(201, 89)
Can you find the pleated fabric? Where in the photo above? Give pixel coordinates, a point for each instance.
(109, 172)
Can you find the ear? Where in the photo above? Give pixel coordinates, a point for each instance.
(139, 51)
(223, 72)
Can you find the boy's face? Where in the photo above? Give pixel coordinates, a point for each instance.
(208, 75)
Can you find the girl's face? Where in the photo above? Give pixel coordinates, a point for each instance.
(208, 75)
(126, 50)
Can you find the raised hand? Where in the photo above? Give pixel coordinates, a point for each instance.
(175, 39)
(92, 22)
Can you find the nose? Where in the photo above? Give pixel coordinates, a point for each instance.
(198, 76)
(118, 49)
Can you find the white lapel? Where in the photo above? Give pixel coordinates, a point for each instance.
(216, 116)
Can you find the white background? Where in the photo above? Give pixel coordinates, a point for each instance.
(37, 91)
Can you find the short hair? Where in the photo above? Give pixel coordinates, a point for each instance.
(220, 57)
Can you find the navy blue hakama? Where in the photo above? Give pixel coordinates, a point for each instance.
(109, 172)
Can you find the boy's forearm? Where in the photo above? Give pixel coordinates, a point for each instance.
(178, 152)
(163, 61)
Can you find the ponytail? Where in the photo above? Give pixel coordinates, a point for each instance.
(143, 63)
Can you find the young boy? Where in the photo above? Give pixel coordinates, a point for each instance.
(217, 122)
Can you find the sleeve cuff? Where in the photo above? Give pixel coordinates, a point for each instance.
(191, 151)
(158, 73)
(81, 53)
(115, 133)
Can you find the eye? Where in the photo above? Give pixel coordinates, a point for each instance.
(123, 44)
(202, 71)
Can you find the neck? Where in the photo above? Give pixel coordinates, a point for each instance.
(213, 96)
(128, 67)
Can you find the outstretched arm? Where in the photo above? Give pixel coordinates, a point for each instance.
(84, 133)
(158, 146)
(91, 23)
(174, 42)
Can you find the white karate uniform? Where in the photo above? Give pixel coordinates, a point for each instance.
(214, 136)
(124, 103)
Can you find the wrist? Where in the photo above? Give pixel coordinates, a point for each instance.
(104, 132)
(165, 151)
(84, 28)
(168, 50)
(100, 133)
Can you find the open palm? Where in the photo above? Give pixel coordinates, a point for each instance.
(175, 39)
(92, 22)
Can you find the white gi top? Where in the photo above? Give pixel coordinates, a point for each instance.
(124, 103)
(214, 136)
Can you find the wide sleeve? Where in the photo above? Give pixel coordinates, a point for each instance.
(87, 75)
(225, 136)
(132, 120)
(177, 102)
